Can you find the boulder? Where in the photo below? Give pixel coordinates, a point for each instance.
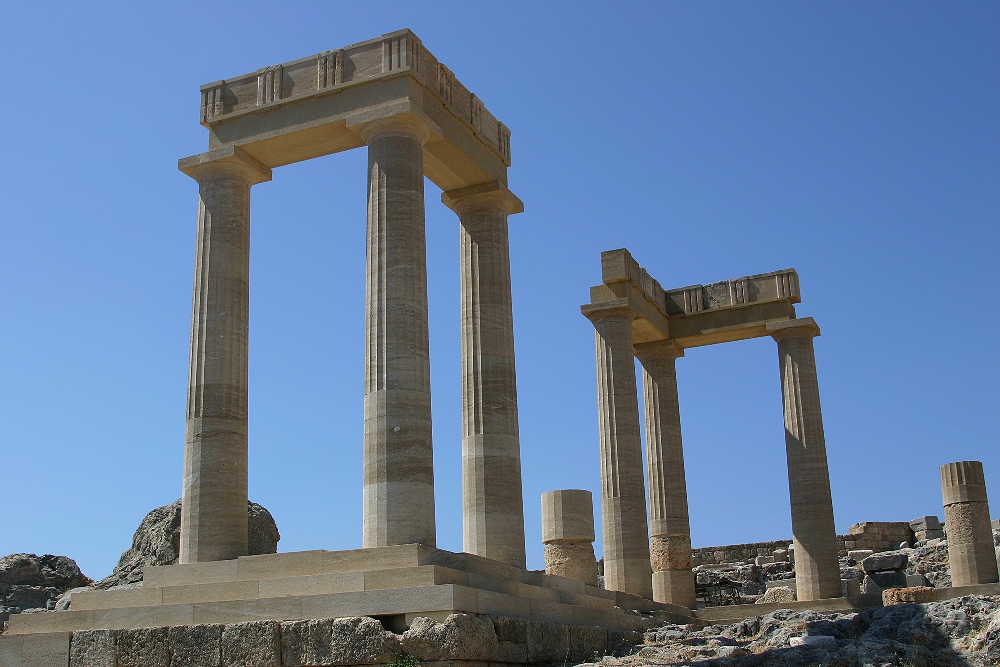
(885, 562)
(876, 582)
(157, 542)
(28, 581)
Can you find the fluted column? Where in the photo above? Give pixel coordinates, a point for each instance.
(492, 505)
(971, 556)
(398, 460)
(817, 570)
(623, 495)
(214, 508)
(669, 527)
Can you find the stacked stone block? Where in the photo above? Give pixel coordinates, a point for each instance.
(926, 528)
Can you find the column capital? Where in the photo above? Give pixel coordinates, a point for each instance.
(617, 309)
(802, 327)
(407, 125)
(659, 349)
(483, 196)
(227, 160)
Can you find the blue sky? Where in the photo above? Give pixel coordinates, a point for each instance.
(855, 142)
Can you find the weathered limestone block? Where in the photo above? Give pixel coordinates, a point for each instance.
(586, 644)
(142, 647)
(885, 562)
(253, 644)
(573, 560)
(460, 637)
(547, 642)
(971, 555)
(915, 594)
(195, 645)
(777, 594)
(92, 648)
(670, 552)
(337, 641)
(45, 649)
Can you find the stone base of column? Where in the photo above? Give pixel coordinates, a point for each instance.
(629, 575)
(674, 587)
(573, 560)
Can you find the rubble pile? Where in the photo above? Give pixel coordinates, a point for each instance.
(962, 632)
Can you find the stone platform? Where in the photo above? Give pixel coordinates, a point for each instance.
(394, 584)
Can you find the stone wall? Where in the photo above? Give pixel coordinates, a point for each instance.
(461, 639)
(874, 535)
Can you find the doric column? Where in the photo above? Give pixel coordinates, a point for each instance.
(623, 493)
(971, 556)
(669, 528)
(493, 510)
(568, 534)
(817, 570)
(398, 460)
(214, 509)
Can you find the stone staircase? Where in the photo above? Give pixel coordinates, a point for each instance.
(393, 584)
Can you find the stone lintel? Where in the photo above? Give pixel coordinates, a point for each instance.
(492, 194)
(227, 154)
(303, 109)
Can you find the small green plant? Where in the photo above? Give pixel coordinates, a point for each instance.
(403, 659)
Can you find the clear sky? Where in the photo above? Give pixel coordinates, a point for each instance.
(855, 142)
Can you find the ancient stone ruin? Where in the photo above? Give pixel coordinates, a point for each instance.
(212, 596)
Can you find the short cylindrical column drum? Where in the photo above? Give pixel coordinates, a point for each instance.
(568, 534)
(971, 556)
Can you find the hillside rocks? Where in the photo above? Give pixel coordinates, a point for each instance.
(157, 542)
(964, 632)
(33, 583)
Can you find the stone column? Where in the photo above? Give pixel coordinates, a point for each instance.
(568, 534)
(669, 527)
(398, 461)
(817, 570)
(214, 509)
(971, 556)
(493, 510)
(623, 489)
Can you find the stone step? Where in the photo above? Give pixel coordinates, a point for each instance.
(317, 584)
(404, 604)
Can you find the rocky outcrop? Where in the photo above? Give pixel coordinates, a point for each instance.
(157, 542)
(964, 632)
(34, 583)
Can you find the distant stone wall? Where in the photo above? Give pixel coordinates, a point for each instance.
(874, 535)
(735, 553)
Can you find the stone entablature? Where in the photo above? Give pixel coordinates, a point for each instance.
(301, 95)
(619, 266)
(695, 315)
